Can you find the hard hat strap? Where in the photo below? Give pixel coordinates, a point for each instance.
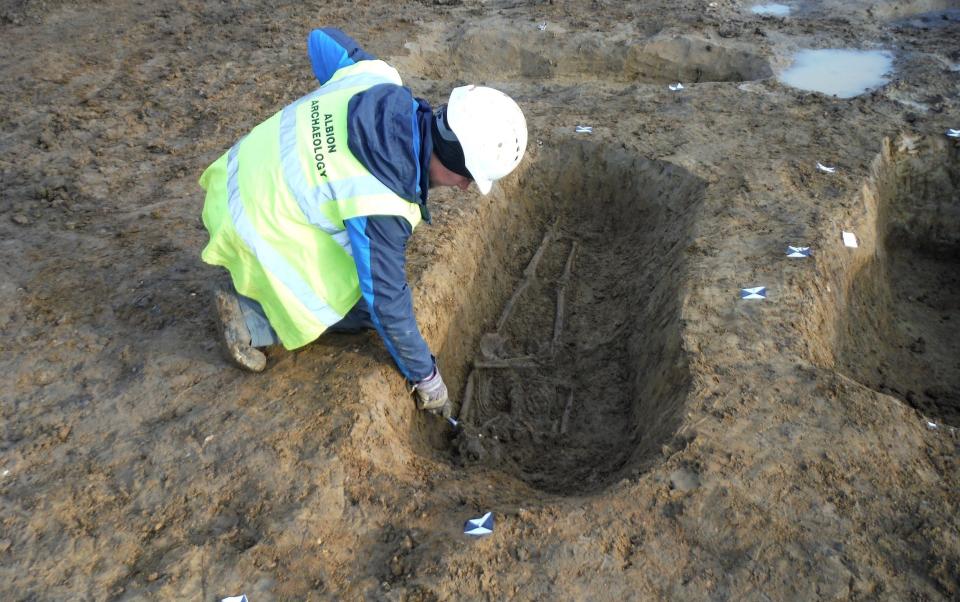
(446, 145)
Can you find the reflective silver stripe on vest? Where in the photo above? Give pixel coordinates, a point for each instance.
(311, 198)
(269, 258)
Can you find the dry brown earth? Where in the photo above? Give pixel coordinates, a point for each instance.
(667, 441)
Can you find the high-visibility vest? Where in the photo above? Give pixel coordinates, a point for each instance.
(276, 202)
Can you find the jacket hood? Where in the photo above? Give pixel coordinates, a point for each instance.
(388, 130)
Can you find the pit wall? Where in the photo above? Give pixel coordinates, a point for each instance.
(653, 206)
(916, 186)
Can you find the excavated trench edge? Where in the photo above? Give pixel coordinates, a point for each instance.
(899, 332)
(507, 53)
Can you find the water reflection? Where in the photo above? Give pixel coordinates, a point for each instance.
(773, 10)
(839, 72)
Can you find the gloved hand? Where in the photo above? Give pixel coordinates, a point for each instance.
(432, 393)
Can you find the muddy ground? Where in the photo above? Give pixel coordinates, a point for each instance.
(663, 440)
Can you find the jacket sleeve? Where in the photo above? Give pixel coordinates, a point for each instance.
(330, 49)
(379, 245)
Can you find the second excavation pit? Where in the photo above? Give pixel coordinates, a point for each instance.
(899, 334)
(494, 50)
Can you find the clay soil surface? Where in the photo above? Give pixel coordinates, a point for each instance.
(639, 431)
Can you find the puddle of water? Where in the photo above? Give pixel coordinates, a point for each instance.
(772, 10)
(841, 73)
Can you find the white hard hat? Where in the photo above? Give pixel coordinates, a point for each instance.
(491, 129)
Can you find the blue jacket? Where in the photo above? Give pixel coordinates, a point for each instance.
(389, 132)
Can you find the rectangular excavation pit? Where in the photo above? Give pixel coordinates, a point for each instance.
(498, 50)
(901, 330)
(571, 400)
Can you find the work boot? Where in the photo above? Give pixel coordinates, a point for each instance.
(234, 335)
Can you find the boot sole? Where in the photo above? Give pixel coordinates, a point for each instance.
(229, 323)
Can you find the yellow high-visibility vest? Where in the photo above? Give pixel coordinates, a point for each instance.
(276, 202)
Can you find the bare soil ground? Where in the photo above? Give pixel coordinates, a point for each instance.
(638, 430)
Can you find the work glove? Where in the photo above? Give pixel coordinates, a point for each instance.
(432, 394)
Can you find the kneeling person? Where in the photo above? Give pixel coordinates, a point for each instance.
(311, 211)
